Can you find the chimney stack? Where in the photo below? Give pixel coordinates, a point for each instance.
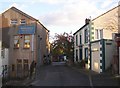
(87, 21)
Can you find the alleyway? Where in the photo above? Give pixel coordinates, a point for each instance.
(61, 75)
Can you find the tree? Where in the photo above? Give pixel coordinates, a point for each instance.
(62, 45)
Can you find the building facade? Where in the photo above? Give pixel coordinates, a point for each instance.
(0, 51)
(101, 28)
(82, 44)
(28, 41)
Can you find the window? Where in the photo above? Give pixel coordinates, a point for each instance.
(26, 65)
(76, 40)
(76, 55)
(80, 53)
(23, 21)
(16, 42)
(27, 41)
(13, 21)
(86, 36)
(3, 53)
(80, 39)
(86, 54)
(99, 33)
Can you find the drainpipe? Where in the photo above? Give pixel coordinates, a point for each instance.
(32, 47)
(39, 57)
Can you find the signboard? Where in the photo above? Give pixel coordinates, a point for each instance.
(26, 29)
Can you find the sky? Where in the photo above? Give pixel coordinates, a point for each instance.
(61, 16)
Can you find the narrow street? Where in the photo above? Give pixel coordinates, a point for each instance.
(61, 75)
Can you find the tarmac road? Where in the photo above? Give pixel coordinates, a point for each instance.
(60, 75)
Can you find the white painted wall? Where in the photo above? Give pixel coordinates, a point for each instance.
(109, 49)
(81, 32)
(95, 57)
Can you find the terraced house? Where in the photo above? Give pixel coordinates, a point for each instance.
(28, 41)
(81, 44)
(101, 45)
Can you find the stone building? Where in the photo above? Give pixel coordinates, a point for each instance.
(27, 39)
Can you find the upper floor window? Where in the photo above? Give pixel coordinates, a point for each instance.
(27, 41)
(76, 40)
(86, 36)
(80, 39)
(16, 42)
(23, 21)
(99, 33)
(13, 21)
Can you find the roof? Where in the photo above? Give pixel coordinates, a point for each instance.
(21, 12)
(106, 12)
(81, 28)
(97, 17)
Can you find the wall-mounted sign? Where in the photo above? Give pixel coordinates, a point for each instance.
(26, 29)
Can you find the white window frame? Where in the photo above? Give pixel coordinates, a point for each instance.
(23, 21)
(13, 21)
(99, 33)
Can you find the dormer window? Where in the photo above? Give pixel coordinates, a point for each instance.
(13, 21)
(23, 21)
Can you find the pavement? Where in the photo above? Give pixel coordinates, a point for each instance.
(22, 82)
(104, 79)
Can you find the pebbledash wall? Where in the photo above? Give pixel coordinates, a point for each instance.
(27, 39)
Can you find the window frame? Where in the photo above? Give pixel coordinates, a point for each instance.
(13, 21)
(16, 45)
(86, 54)
(80, 39)
(76, 37)
(99, 33)
(26, 43)
(86, 35)
(23, 21)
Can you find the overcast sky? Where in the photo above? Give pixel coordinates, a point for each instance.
(60, 16)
